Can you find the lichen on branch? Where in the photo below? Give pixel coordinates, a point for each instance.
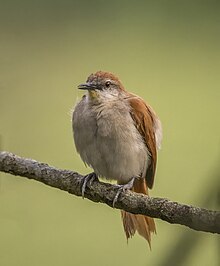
(172, 212)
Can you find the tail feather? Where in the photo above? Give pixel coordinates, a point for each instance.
(144, 225)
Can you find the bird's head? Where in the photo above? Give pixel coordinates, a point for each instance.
(102, 85)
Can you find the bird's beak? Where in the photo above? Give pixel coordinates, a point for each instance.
(87, 86)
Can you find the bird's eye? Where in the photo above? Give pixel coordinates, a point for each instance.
(107, 84)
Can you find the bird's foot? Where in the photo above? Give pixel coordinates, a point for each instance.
(123, 188)
(88, 178)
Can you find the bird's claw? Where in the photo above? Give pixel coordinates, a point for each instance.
(123, 188)
(120, 189)
(88, 178)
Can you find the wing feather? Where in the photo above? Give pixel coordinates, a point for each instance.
(146, 121)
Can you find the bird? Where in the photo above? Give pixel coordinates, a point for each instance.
(118, 134)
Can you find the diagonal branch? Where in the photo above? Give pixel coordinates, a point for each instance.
(171, 212)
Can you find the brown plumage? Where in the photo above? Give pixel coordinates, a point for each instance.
(144, 119)
(144, 225)
(121, 143)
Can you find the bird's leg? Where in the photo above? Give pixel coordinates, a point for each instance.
(123, 188)
(88, 178)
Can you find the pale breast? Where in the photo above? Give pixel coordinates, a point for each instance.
(107, 140)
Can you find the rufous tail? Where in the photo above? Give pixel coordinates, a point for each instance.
(144, 225)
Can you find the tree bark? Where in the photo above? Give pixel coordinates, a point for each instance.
(172, 212)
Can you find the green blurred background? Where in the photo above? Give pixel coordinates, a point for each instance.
(168, 52)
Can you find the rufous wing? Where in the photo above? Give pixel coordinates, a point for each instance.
(144, 119)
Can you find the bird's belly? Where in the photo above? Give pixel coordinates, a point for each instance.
(120, 159)
(114, 149)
